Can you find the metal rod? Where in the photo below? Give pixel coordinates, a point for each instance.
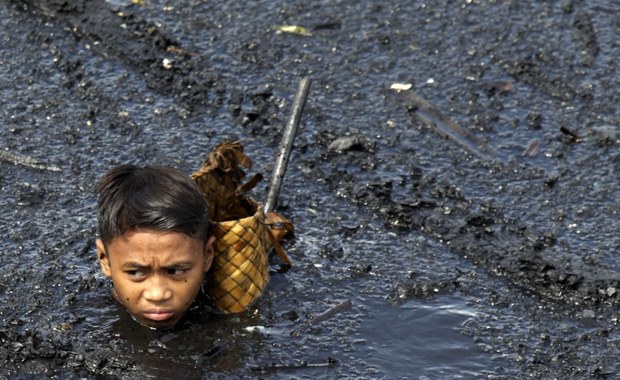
(286, 145)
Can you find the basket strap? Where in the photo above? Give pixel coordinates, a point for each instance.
(279, 227)
(250, 184)
(279, 250)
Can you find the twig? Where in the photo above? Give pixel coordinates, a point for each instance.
(217, 349)
(446, 127)
(26, 161)
(570, 133)
(323, 316)
(286, 144)
(279, 367)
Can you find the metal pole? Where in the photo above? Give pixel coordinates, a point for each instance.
(286, 145)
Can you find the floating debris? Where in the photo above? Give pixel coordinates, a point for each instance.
(293, 29)
(167, 63)
(331, 362)
(345, 143)
(26, 161)
(445, 127)
(570, 133)
(62, 326)
(260, 329)
(179, 50)
(497, 87)
(401, 86)
(533, 148)
(323, 316)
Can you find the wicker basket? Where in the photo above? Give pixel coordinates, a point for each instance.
(244, 234)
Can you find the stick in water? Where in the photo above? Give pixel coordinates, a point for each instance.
(286, 145)
(322, 317)
(26, 161)
(331, 362)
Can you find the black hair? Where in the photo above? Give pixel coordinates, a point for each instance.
(156, 197)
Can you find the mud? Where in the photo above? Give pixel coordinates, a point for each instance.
(522, 249)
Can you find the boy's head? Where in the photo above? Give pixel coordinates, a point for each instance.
(154, 242)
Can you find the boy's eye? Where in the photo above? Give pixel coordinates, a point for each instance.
(176, 271)
(136, 273)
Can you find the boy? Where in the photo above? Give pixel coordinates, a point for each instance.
(154, 241)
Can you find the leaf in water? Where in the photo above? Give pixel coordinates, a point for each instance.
(139, 2)
(293, 29)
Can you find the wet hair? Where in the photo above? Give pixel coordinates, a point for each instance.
(155, 197)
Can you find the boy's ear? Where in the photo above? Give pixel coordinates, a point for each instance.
(209, 253)
(104, 260)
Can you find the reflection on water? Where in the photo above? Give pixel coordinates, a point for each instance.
(423, 338)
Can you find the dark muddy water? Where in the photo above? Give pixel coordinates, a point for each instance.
(491, 259)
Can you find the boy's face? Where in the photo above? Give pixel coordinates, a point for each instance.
(156, 275)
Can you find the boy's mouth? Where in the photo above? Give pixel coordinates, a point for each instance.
(158, 315)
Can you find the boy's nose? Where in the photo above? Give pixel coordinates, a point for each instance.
(157, 290)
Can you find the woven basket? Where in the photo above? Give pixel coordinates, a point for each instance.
(244, 234)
